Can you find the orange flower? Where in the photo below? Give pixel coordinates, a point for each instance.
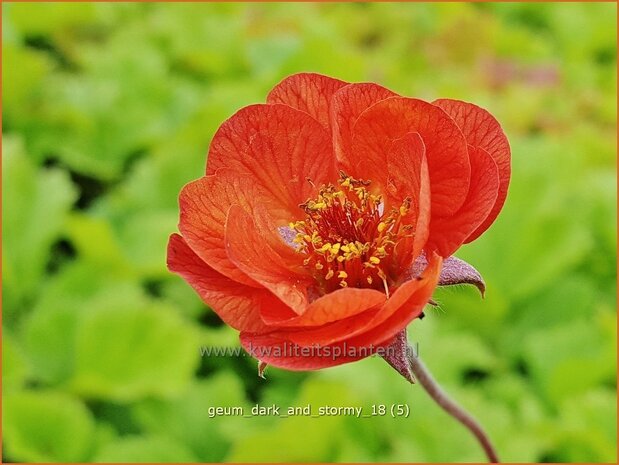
(326, 215)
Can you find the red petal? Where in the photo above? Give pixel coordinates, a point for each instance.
(415, 291)
(446, 149)
(400, 170)
(236, 304)
(284, 354)
(424, 211)
(273, 311)
(406, 175)
(338, 305)
(481, 129)
(278, 350)
(331, 333)
(332, 317)
(204, 205)
(347, 105)
(403, 307)
(447, 234)
(249, 249)
(278, 147)
(308, 92)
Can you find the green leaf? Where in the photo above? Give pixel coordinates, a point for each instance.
(15, 367)
(50, 341)
(95, 242)
(145, 449)
(299, 438)
(144, 239)
(34, 211)
(451, 354)
(577, 344)
(525, 252)
(49, 333)
(588, 428)
(185, 418)
(46, 426)
(182, 296)
(130, 349)
(569, 299)
(46, 18)
(465, 308)
(24, 73)
(205, 23)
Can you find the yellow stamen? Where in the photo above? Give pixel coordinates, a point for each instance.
(325, 248)
(348, 224)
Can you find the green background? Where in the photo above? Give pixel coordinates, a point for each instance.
(109, 110)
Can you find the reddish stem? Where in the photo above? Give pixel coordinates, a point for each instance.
(446, 403)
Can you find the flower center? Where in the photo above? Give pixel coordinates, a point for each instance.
(348, 238)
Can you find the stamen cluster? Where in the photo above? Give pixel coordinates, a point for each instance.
(347, 236)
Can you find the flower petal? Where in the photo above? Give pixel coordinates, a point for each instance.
(331, 333)
(274, 350)
(447, 234)
(446, 149)
(374, 327)
(278, 148)
(347, 105)
(308, 92)
(337, 305)
(273, 311)
(410, 298)
(204, 205)
(406, 304)
(482, 130)
(407, 176)
(401, 169)
(236, 304)
(249, 249)
(332, 317)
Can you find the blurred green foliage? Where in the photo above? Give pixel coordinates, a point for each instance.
(109, 110)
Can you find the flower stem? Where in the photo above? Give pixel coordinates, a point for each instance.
(446, 403)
